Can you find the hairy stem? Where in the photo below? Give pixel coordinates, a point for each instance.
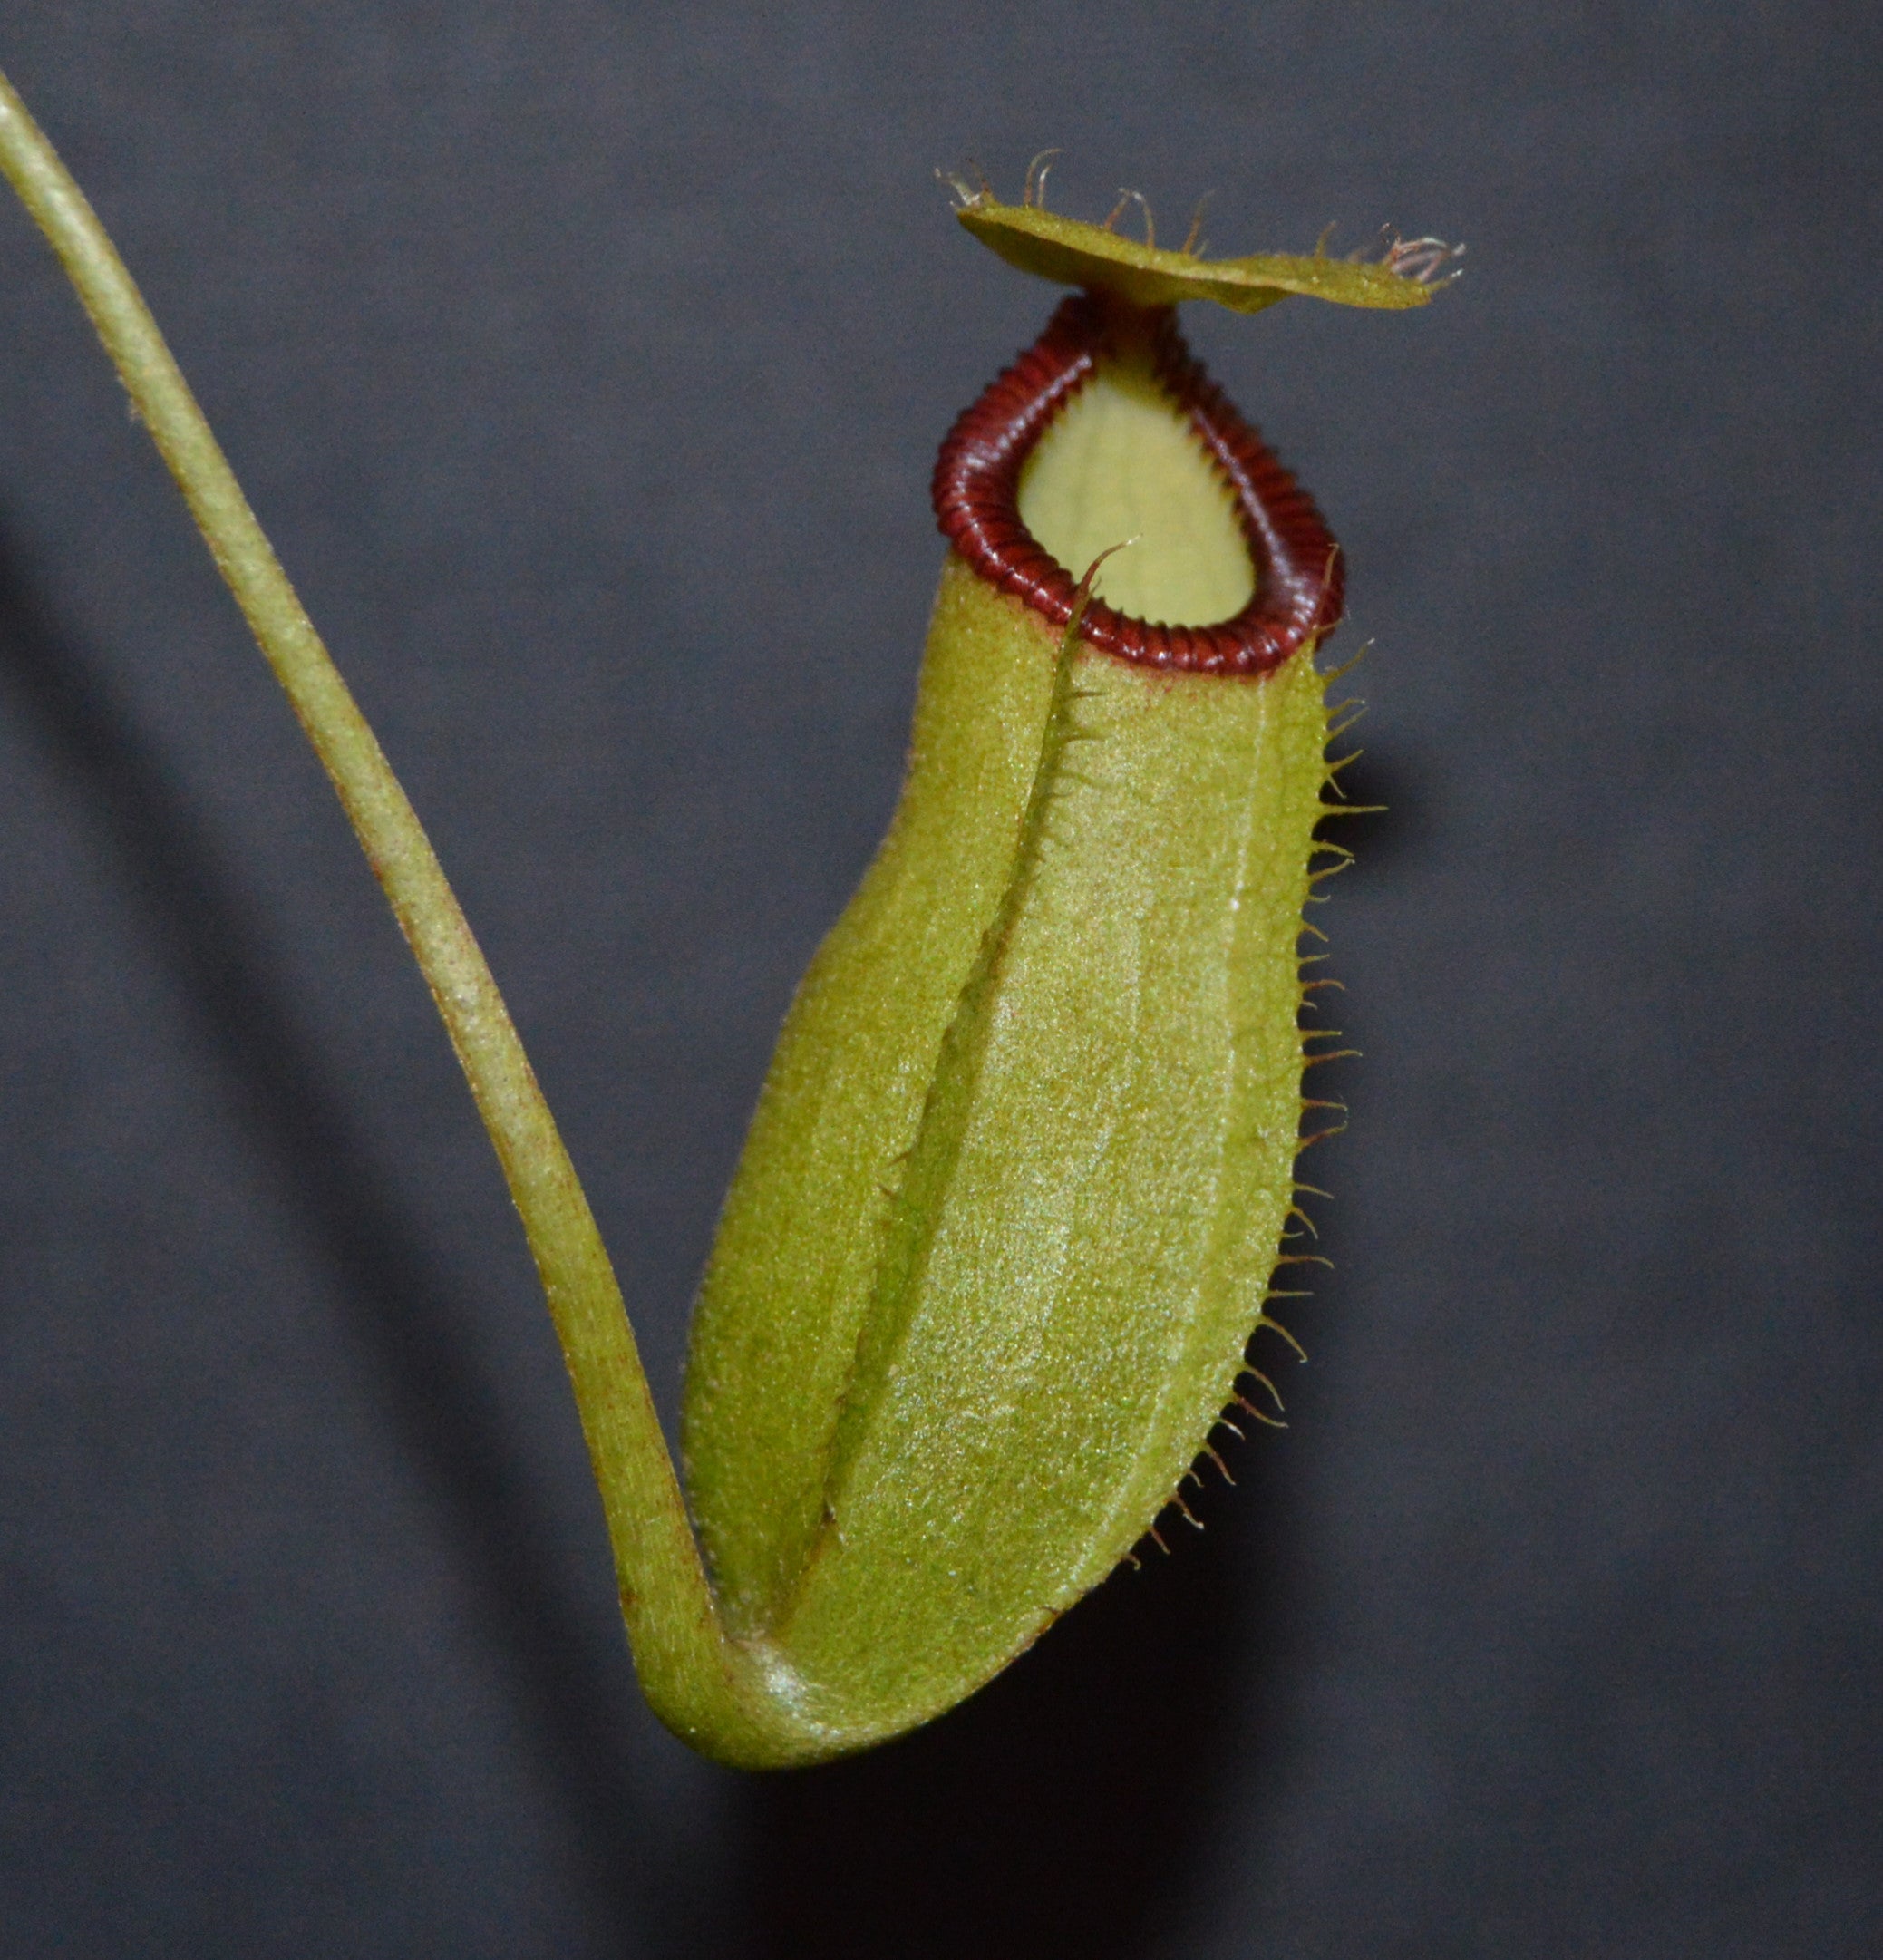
(702, 1686)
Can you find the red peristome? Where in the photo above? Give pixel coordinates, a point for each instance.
(1298, 585)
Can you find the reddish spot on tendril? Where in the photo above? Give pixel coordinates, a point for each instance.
(1298, 587)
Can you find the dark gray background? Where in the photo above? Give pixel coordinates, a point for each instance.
(586, 362)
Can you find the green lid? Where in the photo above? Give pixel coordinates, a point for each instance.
(1029, 236)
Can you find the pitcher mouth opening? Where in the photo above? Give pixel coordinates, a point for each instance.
(1296, 563)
